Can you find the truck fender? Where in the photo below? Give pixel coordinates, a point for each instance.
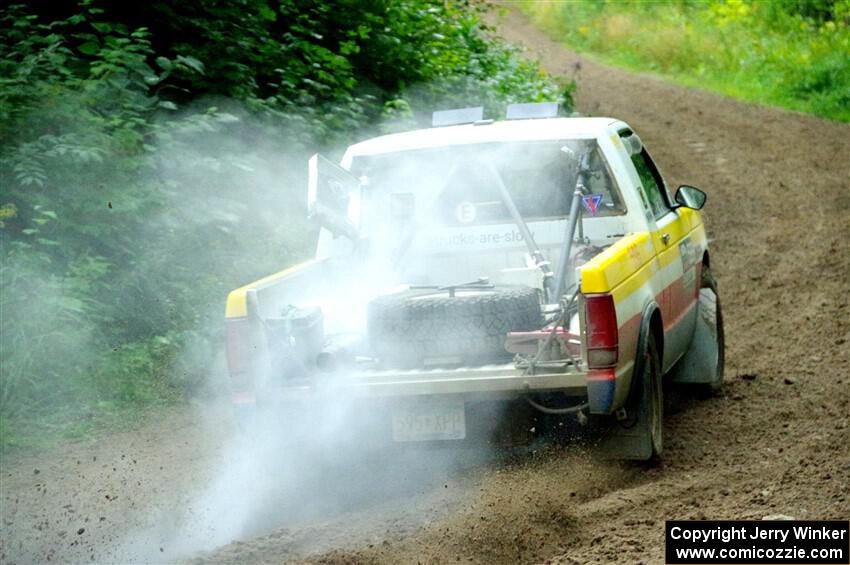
(650, 311)
(607, 396)
(702, 363)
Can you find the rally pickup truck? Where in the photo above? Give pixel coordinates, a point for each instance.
(477, 279)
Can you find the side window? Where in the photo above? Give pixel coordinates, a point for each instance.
(650, 180)
(652, 184)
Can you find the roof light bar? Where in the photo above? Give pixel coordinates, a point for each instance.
(459, 116)
(532, 110)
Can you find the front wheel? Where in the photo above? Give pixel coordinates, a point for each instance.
(651, 402)
(700, 369)
(711, 317)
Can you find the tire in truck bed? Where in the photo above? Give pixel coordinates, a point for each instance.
(412, 327)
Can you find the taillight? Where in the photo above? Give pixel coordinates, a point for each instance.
(601, 329)
(237, 344)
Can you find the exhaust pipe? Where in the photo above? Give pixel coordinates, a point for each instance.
(332, 358)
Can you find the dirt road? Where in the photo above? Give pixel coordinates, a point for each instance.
(777, 441)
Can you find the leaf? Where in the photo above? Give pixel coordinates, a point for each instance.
(267, 13)
(28, 180)
(167, 105)
(8, 211)
(164, 63)
(29, 231)
(225, 118)
(102, 27)
(192, 63)
(69, 303)
(89, 48)
(49, 214)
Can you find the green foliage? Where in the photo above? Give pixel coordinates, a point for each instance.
(791, 53)
(152, 157)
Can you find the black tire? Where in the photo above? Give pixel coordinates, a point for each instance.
(708, 283)
(651, 401)
(410, 327)
(640, 436)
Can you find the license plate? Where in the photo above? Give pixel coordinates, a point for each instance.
(429, 420)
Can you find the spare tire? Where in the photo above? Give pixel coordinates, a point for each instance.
(411, 327)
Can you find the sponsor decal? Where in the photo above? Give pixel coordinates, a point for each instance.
(468, 239)
(634, 254)
(688, 254)
(591, 202)
(465, 212)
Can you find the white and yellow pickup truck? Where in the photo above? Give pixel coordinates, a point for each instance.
(478, 279)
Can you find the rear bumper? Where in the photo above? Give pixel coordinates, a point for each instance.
(494, 380)
(360, 404)
(605, 389)
(487, 382)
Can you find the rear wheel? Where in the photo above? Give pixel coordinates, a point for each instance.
(651, 403)
(639, 436)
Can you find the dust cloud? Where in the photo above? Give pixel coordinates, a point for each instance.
(283, 469)
(235, 210)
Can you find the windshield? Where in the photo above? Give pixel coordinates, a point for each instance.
(459, 185)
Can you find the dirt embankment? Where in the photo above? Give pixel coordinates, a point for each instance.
(777, 441)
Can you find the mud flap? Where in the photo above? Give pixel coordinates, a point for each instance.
(632, 438)
(629, 440)
(629, 444)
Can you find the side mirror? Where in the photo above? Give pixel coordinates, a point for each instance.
(690, 197)
(330, 191)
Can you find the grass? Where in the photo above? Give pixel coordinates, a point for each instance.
(113, 394)
(764, 52)
(23, 433)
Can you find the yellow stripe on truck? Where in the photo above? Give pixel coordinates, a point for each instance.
(623, 259)
(617, 263)
(237, 300)
(686, 224)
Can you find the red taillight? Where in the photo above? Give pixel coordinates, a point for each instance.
(601, 328)
(238, 345)
(237, 340)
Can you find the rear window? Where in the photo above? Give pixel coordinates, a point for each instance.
(460, 185)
